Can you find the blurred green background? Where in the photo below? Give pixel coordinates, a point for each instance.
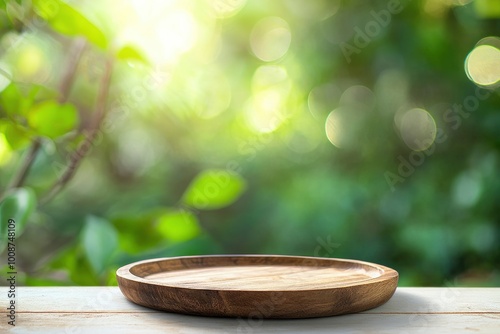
(354, 129)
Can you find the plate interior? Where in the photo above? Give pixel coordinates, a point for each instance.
(257, 276)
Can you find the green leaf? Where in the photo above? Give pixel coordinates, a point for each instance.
(16, 135)
(178, 225)
(137, 231)
(15, 103)
(18, 205)
(10, 99)
(213, 189)
(42, 281)
(130, 53)
(100, 241)
(487, 8)
(68, 21)
(52, 119)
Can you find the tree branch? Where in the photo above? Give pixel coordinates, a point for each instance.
(75, 55)
(76, 51)
(84, 147)
(19, 178)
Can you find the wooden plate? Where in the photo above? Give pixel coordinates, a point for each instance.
(257, 286)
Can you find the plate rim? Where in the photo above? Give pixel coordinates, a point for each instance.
(124, 272)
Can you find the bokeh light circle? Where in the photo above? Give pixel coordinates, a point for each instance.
(322, 99)
(358, 96)
(270, 38)
(482, 65)
(226, 8)
(271, 77)
(490, 40)
(333, 128)
(418, 129)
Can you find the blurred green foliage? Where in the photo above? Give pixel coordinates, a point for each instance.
(138, 129)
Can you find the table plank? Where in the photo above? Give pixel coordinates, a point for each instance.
(105, 310)
(438, 300)
(72, 299)
(110, 299)
(123, 323)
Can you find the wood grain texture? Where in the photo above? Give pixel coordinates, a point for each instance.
(267, 286)
(104, 310)
(109, 299)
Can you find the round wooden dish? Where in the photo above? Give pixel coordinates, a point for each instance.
(257, 286)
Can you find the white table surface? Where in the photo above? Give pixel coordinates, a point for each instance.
(54, 310)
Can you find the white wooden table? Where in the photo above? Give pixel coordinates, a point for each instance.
(104, 310)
